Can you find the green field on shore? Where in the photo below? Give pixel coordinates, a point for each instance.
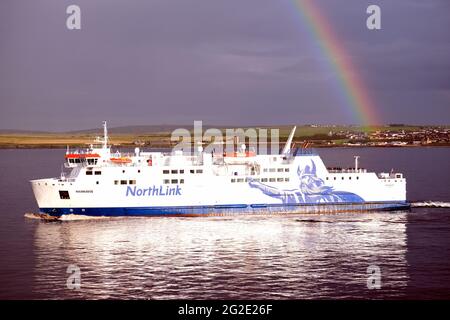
(161, 137)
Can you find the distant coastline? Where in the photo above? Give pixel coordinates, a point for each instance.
(317, 136)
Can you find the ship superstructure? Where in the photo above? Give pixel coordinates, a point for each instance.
(105, 183)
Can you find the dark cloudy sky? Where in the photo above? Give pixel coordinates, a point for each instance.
(232, 62)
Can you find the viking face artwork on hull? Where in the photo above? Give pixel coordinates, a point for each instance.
(312, 189)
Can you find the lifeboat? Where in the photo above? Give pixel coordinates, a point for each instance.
(240, 154)
(121, 160)
(81, 155)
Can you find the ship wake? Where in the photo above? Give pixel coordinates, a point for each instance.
(430, 204)
(71, 217)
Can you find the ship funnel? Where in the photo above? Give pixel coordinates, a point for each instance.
(287, 146)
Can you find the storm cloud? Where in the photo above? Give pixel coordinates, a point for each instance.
(226, 62)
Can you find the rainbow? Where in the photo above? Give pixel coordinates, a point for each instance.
(350, 83)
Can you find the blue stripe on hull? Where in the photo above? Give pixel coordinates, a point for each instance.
(230, 209)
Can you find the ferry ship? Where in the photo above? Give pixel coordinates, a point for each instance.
(105, 183)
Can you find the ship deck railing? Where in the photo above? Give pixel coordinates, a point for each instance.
(66, 179)
(348, 170)
(391, 175)
(305, 152)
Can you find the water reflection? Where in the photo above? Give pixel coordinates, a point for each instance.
(236, 258)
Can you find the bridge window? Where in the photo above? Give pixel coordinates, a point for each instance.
(286, 179)
(240, 180)
(286, 169)
(132, 181)
(123, 181)
(89, 173)
(264, 180)
(280, 170)
(166, 181)
(199, 171)
(280, 179)
(116, 182)
(272, 170)
(181, 171)
(181, 180)
(64, 195)
(271, 179)
(174, 171)
(174, 181)
(192, 171)
(91, 161)
(165, 171)
(97, 173)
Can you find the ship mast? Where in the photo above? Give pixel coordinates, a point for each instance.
(105, 135)
(287, 146)
(356, 163)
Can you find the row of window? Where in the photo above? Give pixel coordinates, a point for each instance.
(276, 170)
(350, 178)
(90, 162)
(165, 181)
(122, 182)
(342, 178)
(181, 171)
(172, 181)
(90, 173)
(139, 171)
(76, 160)
(260, 180)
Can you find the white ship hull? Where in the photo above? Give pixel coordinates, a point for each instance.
(102, 184)
(207, 193)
